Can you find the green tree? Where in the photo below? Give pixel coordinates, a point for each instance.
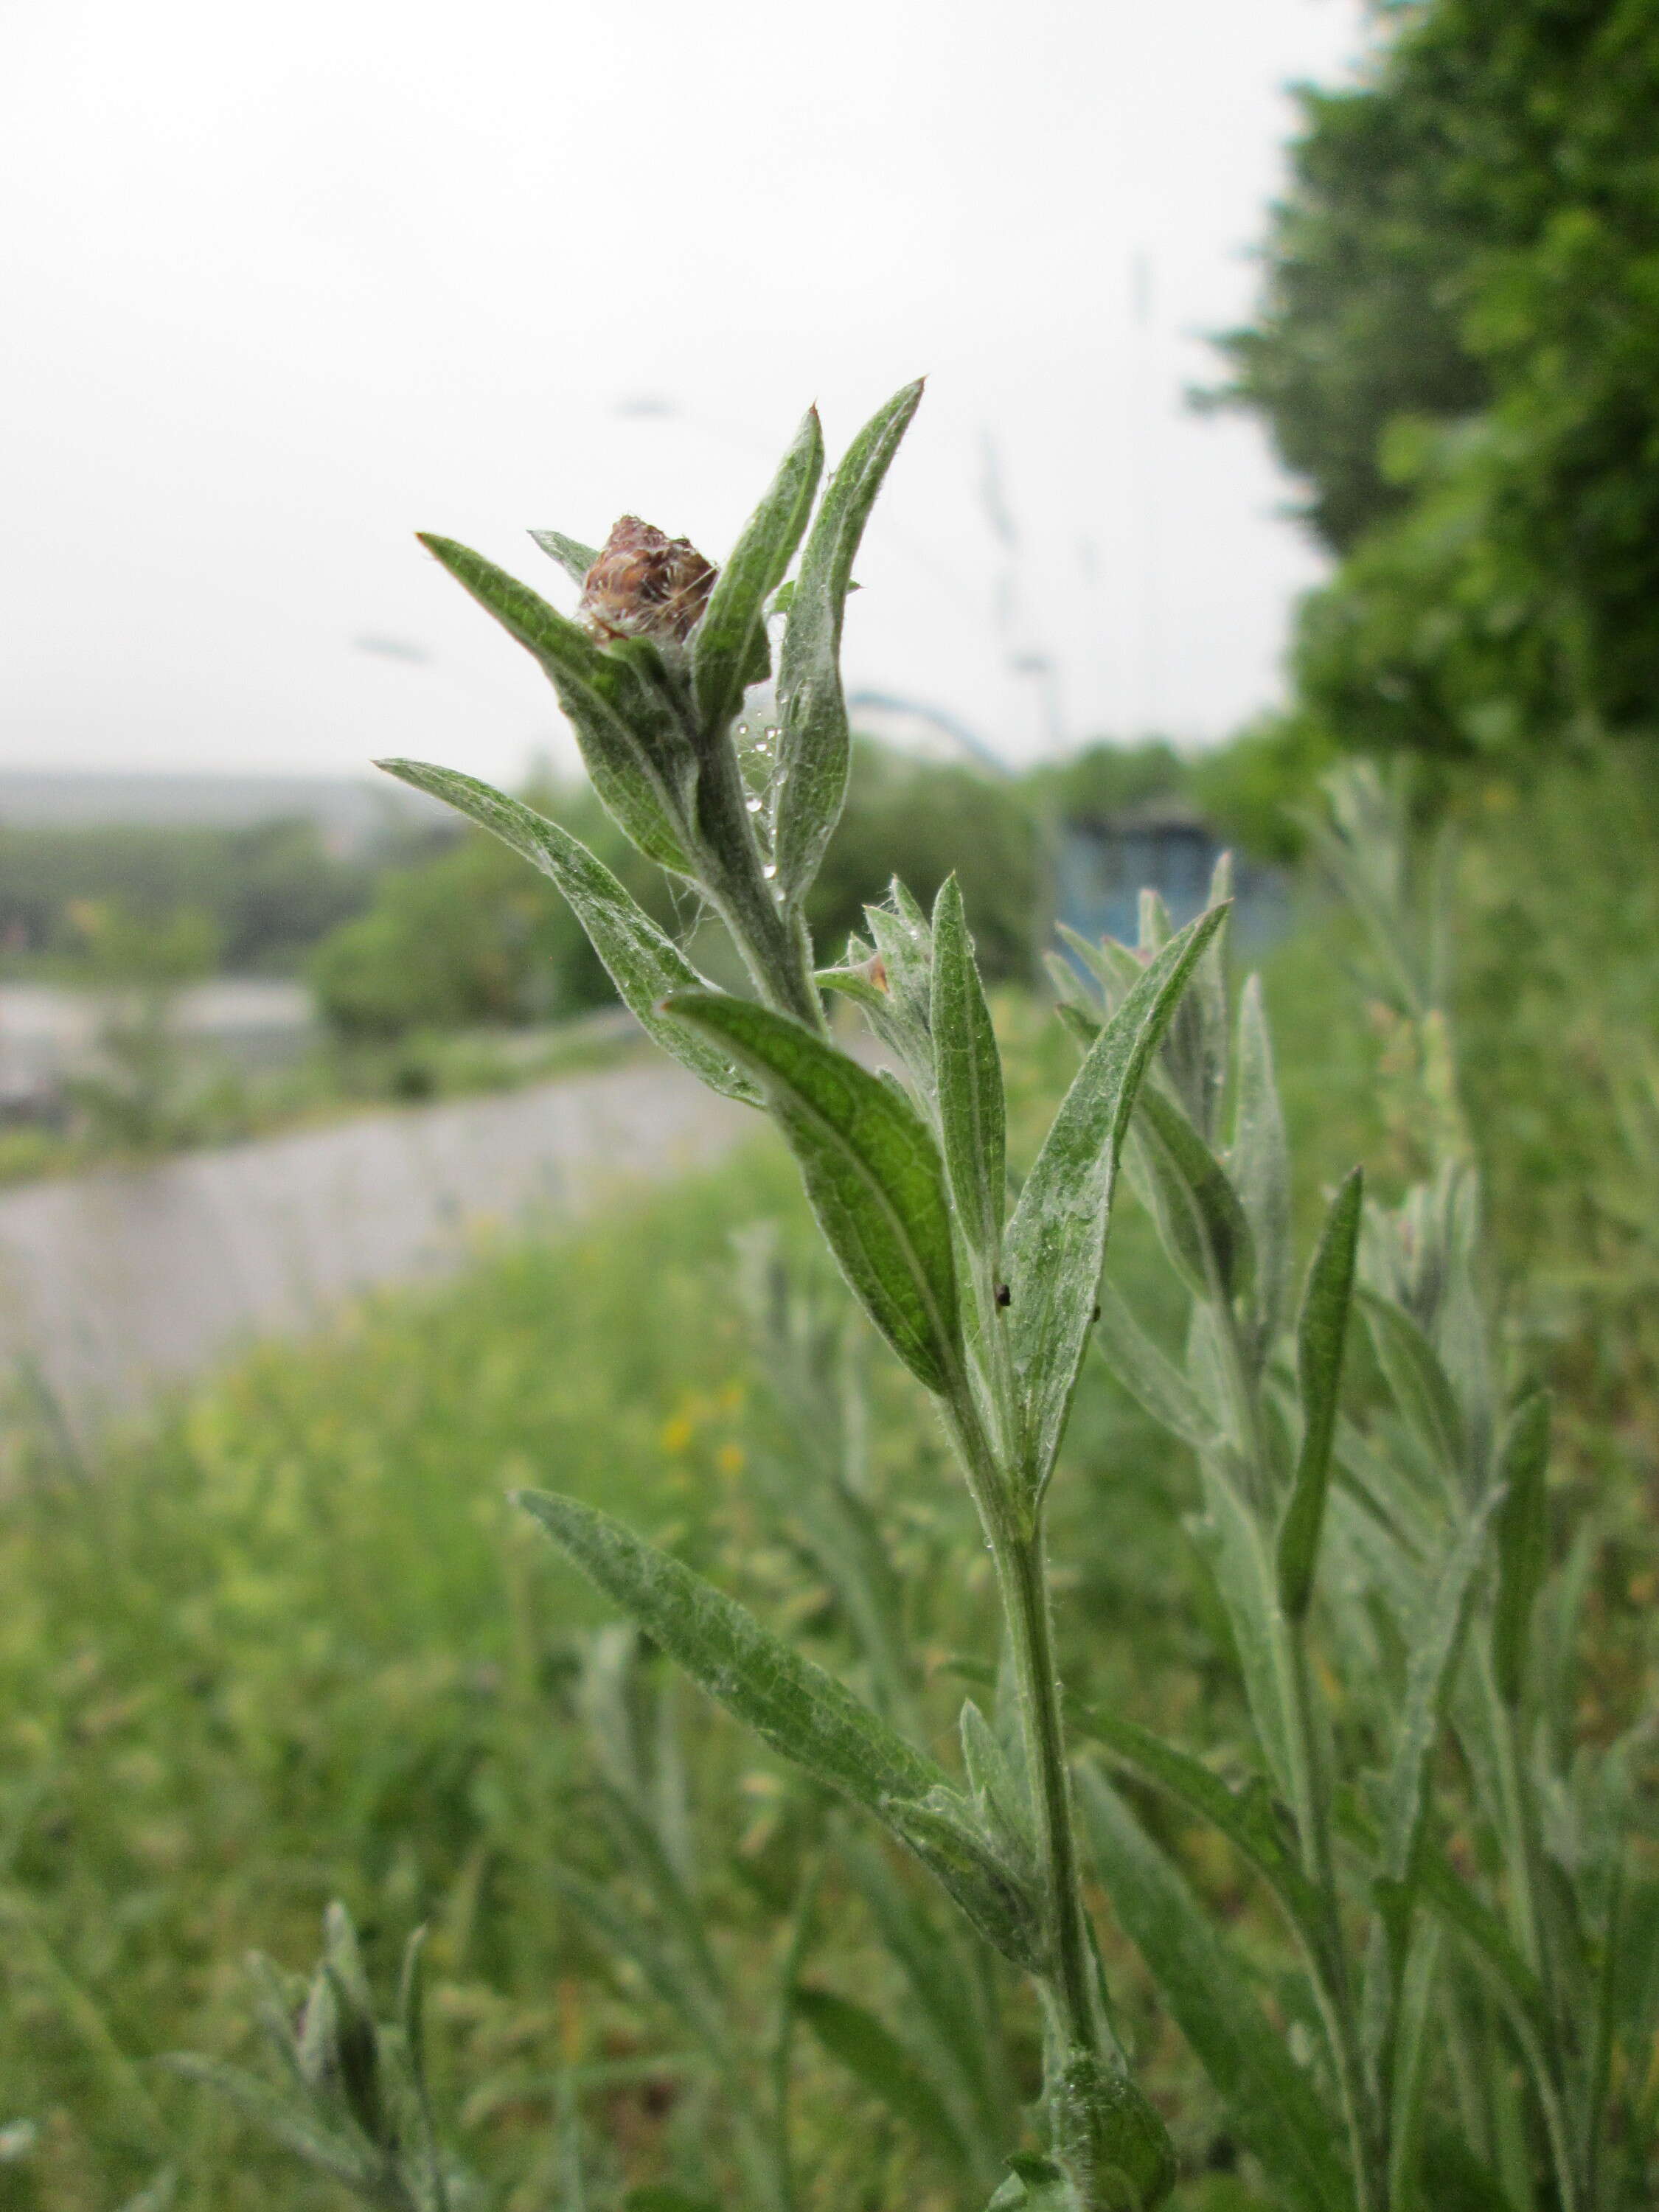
(1458, 353)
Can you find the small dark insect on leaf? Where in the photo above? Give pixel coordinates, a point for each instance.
(1095, 1316)
(1004, 1296)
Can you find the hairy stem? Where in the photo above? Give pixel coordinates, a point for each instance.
(1017, 1555)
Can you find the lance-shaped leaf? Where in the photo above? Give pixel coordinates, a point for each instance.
(871, 1168)
(1236, 1545)
(876, 2057)
(635, 743)
(1154, 1382)
(1260, 1164)
(643, 963)
(1321, 1332)
(1523, 1539)
(1427, 1403)
(1270, 2100)
(812, 750)
(1057, 1238)
(1200, 1219)
(968, 1077)
(1246, 1817)
(1428, 1677)
(572, 555)
(728, 647)
(345, 2158)
(801, 1711)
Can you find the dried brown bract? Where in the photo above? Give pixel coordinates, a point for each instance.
(644, 584)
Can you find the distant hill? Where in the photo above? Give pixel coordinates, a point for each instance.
(353, 815)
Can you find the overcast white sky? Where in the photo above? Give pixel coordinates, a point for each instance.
(282, 285)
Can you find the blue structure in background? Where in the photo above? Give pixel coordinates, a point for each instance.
(1101, 867)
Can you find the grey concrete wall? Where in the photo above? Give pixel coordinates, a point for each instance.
(119, 1281)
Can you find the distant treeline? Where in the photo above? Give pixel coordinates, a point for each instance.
(270, 890)
(447, 929)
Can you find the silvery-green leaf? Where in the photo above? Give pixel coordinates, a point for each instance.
(1157, 1385)
(1096, 962)
(852, 983)
(968, 1079)
(950, 1997)
(1444, 1891)
(1429, 1675)
(1200, 1219)
(635, 743)
(998, 1794)
(1259, 1164)
(643, 963)
(283, 2120)
(876, 2057)
(1419, 1384)
(1321, 1332)
(1057, 1238)
(1270, 2101)
(1244, 1816)
(802, 1712)
(871, 1172)
(1523, 1539)
(1082, 1028)
(812, 749)
(684, 1992)
(1238, 1551)
(572, 555)
(1411, 2067)
(640, 1847)
(728, 647)
(1194, 1055)
(790, 1704)
(902, 1016)
(1155, 927)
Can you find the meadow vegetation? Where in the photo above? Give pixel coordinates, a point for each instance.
(288, 1642)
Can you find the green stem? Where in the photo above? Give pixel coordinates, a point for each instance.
(773, 940)
(1017, 1555)
(1365, 2124)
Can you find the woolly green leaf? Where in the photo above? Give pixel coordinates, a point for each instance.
(634, 741)
(1057, 1238)
(968, 1077)
(1238, 1551)
(728, 647)
(675, 1980)
(1429, 1674)
(1322, 1331)
(1523, 1539)
(572, 555)
(949, 1995)
(643, 963)
(1155, 1383)
(1270, 2100)
(283, 2121)
(1260, 1164)
(877, 2059)
(1244, 1816)
(812, 750)
(1418, 1383)
(871, 1168)
(802, 1712)
(1199, 1216)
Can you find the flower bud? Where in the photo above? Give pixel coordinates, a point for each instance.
(645, 585)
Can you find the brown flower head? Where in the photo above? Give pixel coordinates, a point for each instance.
(645, 585)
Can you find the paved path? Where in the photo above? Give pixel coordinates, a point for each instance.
(118, 1281)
